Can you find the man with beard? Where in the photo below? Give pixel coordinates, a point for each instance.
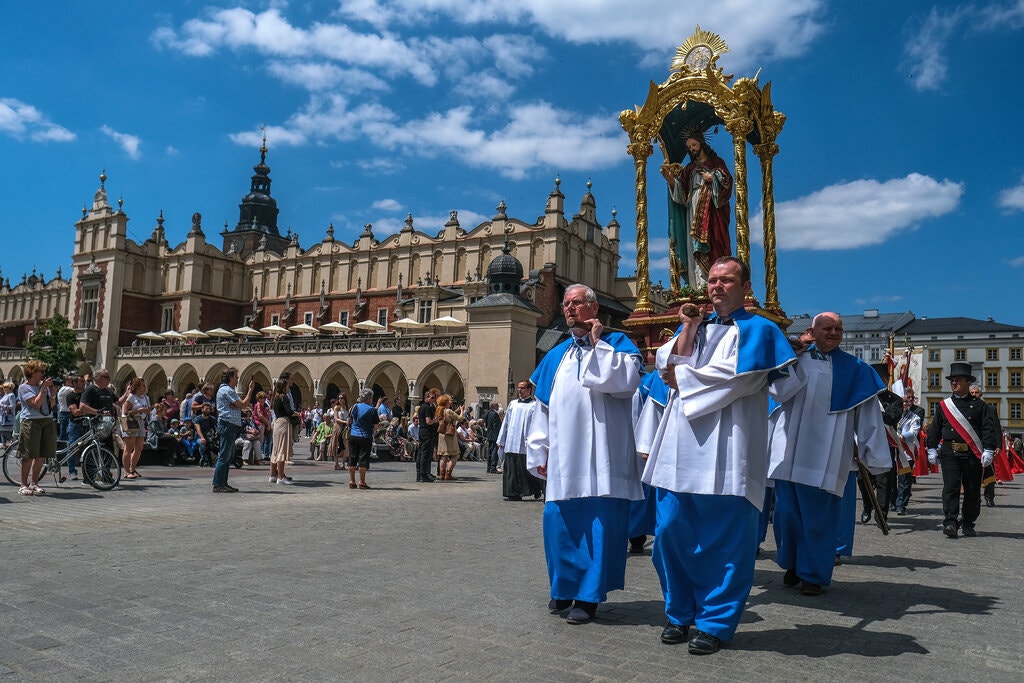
(698, 212)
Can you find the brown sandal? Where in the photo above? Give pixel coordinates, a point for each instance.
(363, 485)
(352, 485)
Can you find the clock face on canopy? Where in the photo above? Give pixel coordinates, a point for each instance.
(699, 57)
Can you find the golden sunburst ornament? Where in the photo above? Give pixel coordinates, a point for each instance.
(699, 51)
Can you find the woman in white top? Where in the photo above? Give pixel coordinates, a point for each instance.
(135, 411)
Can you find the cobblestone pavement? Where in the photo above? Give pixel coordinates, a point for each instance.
(161, 579)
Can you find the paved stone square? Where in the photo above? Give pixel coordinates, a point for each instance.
(162, 580)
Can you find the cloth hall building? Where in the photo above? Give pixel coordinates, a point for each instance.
(503, 279)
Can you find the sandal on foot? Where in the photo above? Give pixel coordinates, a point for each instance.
(25, 490)
(37, 490)
(363, 485)
(338, 467)
(352, 485)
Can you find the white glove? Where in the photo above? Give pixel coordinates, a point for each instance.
(987, 457)
(933, 456)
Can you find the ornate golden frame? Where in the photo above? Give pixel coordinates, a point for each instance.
(744, 108)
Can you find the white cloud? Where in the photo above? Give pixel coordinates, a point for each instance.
(171, 151)
(315, 76)
(1012, 198)
(770, 29)
(1016, 262)
(21, 120)
(387, 205)
(859, 213)
(535, 136)
(925, 53)
(129, 143)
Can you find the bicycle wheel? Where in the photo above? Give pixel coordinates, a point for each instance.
(100, 468)
(12, 465)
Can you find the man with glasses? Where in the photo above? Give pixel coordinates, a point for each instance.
(962, 439)
(581, 442)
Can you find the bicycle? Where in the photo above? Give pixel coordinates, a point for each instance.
(100, 469)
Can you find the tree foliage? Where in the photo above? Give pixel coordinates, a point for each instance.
(53, 342)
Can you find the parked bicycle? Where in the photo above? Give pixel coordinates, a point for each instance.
(100, 469)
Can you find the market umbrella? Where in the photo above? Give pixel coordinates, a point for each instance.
(171, 334)
(194, 334)
(369, 326)
(447, 321)
(220, 332)
(274, 331)
(335, 327)
(150, 336)
(247, 332)
(303, 328)
(406, 324)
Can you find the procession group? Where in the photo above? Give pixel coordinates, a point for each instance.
(734, 412)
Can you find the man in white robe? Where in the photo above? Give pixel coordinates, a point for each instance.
(829, 410)
(581, 442)
(516, 480)
(709, 459)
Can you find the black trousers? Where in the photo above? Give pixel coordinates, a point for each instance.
(424, 456)
(960, 471)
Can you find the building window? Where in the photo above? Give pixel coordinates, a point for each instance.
(275, 319)
(90, 306)
(991, 354)
(308, 318)
(934, 380)
(426, 312)
(343, 318)
(876, 354)
(935, 355)
(1016, 376)
(1015, 354)
(959, 354)
(1015, 410)
(167, 318)
(859, 352)
(933, 408)
(992, 379)
(382, 316)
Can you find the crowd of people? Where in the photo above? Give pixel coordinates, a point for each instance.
(736, 427)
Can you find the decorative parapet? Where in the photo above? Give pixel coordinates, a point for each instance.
(377, 343)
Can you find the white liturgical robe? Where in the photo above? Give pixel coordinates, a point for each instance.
(812, 446)
(516, 425)
(713, 438)
(585, 434)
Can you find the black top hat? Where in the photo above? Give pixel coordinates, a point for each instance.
(960, 370)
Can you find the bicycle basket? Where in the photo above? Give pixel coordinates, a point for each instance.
(103, 427)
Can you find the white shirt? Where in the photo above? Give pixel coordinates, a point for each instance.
(516, 425)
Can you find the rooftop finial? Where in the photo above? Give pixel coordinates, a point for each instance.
(263, 147)
(103, 179)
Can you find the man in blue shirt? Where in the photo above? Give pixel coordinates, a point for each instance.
(229, 426)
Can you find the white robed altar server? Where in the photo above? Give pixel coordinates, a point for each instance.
(581, 442)
(829, 408)
(709, 460)
(516, 480)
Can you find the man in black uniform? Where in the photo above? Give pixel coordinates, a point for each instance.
(428, 437)
(969, 434)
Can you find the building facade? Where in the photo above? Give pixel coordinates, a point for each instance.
(119, 289)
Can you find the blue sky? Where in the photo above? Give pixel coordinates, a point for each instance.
(899, 184)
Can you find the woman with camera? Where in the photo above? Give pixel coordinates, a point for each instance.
(38, 436)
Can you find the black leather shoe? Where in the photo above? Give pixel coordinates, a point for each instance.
(808, 588)
(865, 517)
(790, 578)
(949, 530)
(556, 606)
(703, 644)
(674, 635)
(902, 511)
(636, 545)
(969, 531)
(581, 612)
(990, 502)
